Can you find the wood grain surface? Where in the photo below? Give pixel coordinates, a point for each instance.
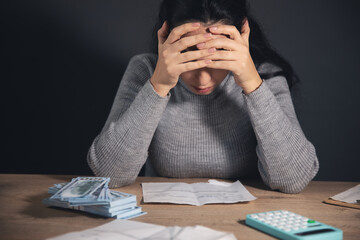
(23, 216)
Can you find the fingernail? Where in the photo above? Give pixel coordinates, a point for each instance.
(208, 61)
(211, 50)
(213, 28)
(207, 35)
(196, 24)
(200, 45)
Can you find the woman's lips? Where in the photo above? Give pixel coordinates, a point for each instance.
(202, 90)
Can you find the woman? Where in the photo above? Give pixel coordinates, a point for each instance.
(214, 102)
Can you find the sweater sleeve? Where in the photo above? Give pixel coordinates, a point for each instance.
(287, 160)
(121, 149)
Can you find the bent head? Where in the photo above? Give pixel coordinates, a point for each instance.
(208, 12)
(203, 81)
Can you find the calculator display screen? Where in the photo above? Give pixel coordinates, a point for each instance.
(314, 232)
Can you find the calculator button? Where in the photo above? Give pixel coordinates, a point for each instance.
(311, 221)
(287, 229)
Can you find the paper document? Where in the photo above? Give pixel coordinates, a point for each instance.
(131, 230)
(351, 195)
(196, 193)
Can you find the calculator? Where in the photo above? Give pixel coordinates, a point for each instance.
(287, 225)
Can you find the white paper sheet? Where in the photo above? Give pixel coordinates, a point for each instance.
(196, 193)
(349, 196)
(131, 230)
(186, 233)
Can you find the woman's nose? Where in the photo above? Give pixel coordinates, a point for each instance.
(203, 77)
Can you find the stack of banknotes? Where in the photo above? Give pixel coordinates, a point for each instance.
(92, 195)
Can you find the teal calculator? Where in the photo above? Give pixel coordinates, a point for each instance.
(287, 225)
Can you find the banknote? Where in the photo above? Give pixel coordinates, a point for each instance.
(122, 212)
(92, 195)
(80, 187)
(52, 190)
(116, 198)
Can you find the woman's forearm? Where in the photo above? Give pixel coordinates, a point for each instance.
(287, 160)
(121, 149)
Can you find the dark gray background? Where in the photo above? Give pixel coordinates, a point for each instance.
(63, 61)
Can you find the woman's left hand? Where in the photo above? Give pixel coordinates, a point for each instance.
(232, 53)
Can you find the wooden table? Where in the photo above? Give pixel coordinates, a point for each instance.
(23, 216)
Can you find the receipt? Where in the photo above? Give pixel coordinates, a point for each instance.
(349, 196)
(196, 193)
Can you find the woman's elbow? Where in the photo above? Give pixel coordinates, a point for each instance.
(115, 180)
(290, 181)
(290, 188)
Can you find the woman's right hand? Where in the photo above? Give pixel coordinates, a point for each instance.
(173, 60)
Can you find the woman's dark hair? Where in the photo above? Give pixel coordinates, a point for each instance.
(231, 12)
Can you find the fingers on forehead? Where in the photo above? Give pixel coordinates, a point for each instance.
(178, 31)
(228, 30)
(216, 36)
(221, 43)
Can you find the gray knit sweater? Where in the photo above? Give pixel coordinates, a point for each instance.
(226, 134)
